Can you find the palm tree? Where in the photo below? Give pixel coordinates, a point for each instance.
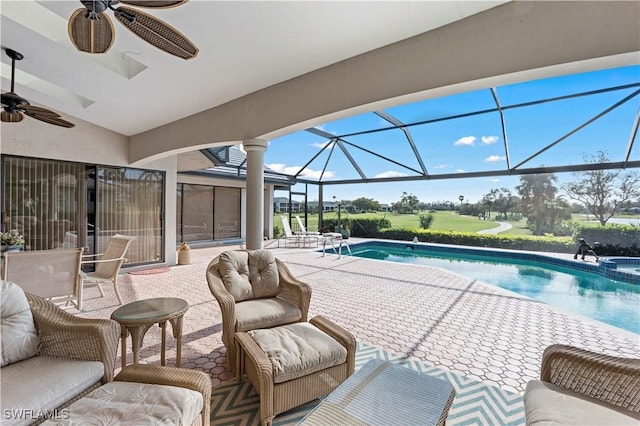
(537, 193)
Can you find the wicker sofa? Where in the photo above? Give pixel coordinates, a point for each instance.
(50, 358)
(59, 366)
(580, 387)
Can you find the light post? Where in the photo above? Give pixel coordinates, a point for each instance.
(461, 198)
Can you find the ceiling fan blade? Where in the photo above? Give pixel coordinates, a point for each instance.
(39, 110)
(156, 4)
(90, 35)
(156, 32)
(10, 117)
(51, 120)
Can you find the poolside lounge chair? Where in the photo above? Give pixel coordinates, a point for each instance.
(289, 235)
(307, 235)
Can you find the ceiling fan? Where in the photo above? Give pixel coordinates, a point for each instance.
(14, 107)
(91, 30)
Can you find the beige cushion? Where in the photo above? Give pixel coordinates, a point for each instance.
(125, 403)
(299, 349)
(265, 313)
(249, 274)
(263, 274)
(233, 267)
(42, 383)
(548, 404)
(19, 336)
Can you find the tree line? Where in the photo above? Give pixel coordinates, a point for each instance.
(538, 198)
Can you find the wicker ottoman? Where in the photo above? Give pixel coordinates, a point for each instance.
(145, 395)
(295, 363)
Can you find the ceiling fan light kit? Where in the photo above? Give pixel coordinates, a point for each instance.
(91, 30)
(15, 107)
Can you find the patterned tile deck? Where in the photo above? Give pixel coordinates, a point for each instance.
(439, 317)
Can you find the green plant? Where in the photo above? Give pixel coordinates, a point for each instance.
(11, 238)
(426, 220)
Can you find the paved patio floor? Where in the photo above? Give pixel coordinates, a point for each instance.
(440, 317)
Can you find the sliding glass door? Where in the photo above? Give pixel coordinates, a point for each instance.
(57, 204)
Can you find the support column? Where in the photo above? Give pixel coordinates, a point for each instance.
(255, 149)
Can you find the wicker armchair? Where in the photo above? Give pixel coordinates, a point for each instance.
(63, 335)
(588, 388)
(290, 304)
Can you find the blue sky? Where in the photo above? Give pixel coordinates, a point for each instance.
(472, 143)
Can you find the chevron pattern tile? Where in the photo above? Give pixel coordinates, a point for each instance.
(476, 403)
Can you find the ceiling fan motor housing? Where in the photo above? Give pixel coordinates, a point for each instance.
(95, 7)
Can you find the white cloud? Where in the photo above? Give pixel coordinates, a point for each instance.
(494, 159)
(441, 166)
(322, 127)
(465, 141)
(488, 140)
(320, 144)
(315, 174)
(292, 170)
(390, 173)
(460, 171)
(494, 180)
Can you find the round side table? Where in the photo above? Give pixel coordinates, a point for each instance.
(138, 317)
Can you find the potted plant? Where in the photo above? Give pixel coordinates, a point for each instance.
(11, 241)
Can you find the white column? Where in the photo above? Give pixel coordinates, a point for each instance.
(255, 149)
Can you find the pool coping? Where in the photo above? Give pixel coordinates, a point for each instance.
(607, 267)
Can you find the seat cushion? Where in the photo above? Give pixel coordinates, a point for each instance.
(43, 383)
(265, 313)
(135, 404)
(17, 328)
(297, 350)
(548, 404)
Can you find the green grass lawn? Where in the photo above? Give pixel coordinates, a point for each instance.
(443, 221)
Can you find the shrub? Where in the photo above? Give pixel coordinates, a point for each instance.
(613, 240)
(515, 242)
(367, 228)
(426, 220)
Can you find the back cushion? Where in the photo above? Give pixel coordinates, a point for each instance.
(263, 274)
(19, 336)
(233, 267)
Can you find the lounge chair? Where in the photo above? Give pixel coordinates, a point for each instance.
(307, 235)
(289, 235)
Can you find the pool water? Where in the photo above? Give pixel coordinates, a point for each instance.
(612, 302)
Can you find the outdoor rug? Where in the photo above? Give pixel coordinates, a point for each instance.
(151, 271)
(476, 402)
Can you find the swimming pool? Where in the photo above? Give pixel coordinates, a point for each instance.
(612, 302)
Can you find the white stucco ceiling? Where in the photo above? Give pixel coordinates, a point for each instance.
(244, 46)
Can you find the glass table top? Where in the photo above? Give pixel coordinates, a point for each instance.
(150, 309)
